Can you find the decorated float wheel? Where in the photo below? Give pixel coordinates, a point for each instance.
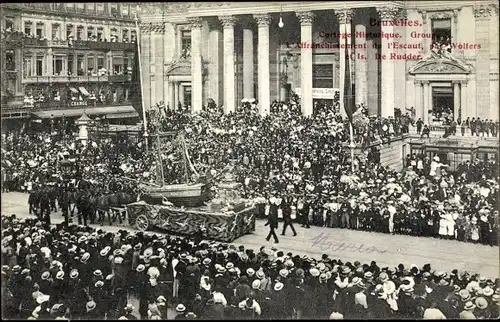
(142, 222)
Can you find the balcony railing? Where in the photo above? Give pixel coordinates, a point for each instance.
(64, 79)
(120, 78)
(102, 45)
(58, 43)
(35, 42)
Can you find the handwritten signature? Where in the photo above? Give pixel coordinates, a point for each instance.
(324, 243)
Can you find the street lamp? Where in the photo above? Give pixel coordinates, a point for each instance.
(98, 127)
(51, 123)
(281, 24)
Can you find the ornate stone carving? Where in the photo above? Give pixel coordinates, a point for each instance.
(402, 14)
(423, 13)
(455, 16)
(417, 82)
(482, 12)
(441, 16)
(440, 68)
(305, 17)
(425, 82)
(176, 7)
(178, 67)
(211, 4)
(158, 27)
(262, 20)
(494, 8)
(227, 21)
(441, 63)
(463, 82)
(387, 13)
(344, 15)
(455, 82)
(195, 22)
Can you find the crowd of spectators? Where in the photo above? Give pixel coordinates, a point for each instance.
(286, 155)
(82, 273)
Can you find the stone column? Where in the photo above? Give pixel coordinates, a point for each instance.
(361, 66)
(216, 62)
(181, 94)
(387, 14)
(50, 62)
(176, 94)
(456, 99)
(196, 65)
(418, 100)
(171, 94)
(306, 100)
(463, 101)
(344, 17)
(166, 89)
(248, 68)
(426, 102)
(229, 86)
(166, 45)
(427, 28)
(263, 63)
(152, 69)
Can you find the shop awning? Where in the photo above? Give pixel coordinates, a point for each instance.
(72, 112)
(83, 91)
(122, 115)
(73, 90)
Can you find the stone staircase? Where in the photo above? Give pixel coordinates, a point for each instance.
(392, 155)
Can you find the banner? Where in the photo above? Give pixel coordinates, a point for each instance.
(320, 93)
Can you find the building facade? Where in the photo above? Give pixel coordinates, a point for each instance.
(60, 59)
(438, 58)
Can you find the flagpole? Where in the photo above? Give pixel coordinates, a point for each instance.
(351, 131)
(144, 119)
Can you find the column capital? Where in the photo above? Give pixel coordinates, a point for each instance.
(344, 15)
(195, 22)
(388, 13)
(152, 27)
(263, 20)
(485, 11)
(417, 82)
(227, 21)
(456, 82)
(464, 82)
(305, 17)
(425, 82)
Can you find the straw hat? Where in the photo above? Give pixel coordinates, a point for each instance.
(469, 306)
(278, 286)
(481, 303)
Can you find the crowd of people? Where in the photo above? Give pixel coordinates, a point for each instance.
(304, 161)
(296, 167)
(82, 273)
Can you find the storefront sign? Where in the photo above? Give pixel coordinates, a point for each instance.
(321, 93)
(79, 103)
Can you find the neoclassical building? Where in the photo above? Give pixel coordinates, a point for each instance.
(436, 57)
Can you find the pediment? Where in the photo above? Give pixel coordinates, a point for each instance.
(440, 64)
(179, 68)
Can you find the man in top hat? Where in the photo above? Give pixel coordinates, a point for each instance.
(272, 221)
(287, 216)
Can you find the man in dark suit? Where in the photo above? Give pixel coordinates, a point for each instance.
(272, 220)
(287, 216)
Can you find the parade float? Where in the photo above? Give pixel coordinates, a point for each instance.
(218, 212)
